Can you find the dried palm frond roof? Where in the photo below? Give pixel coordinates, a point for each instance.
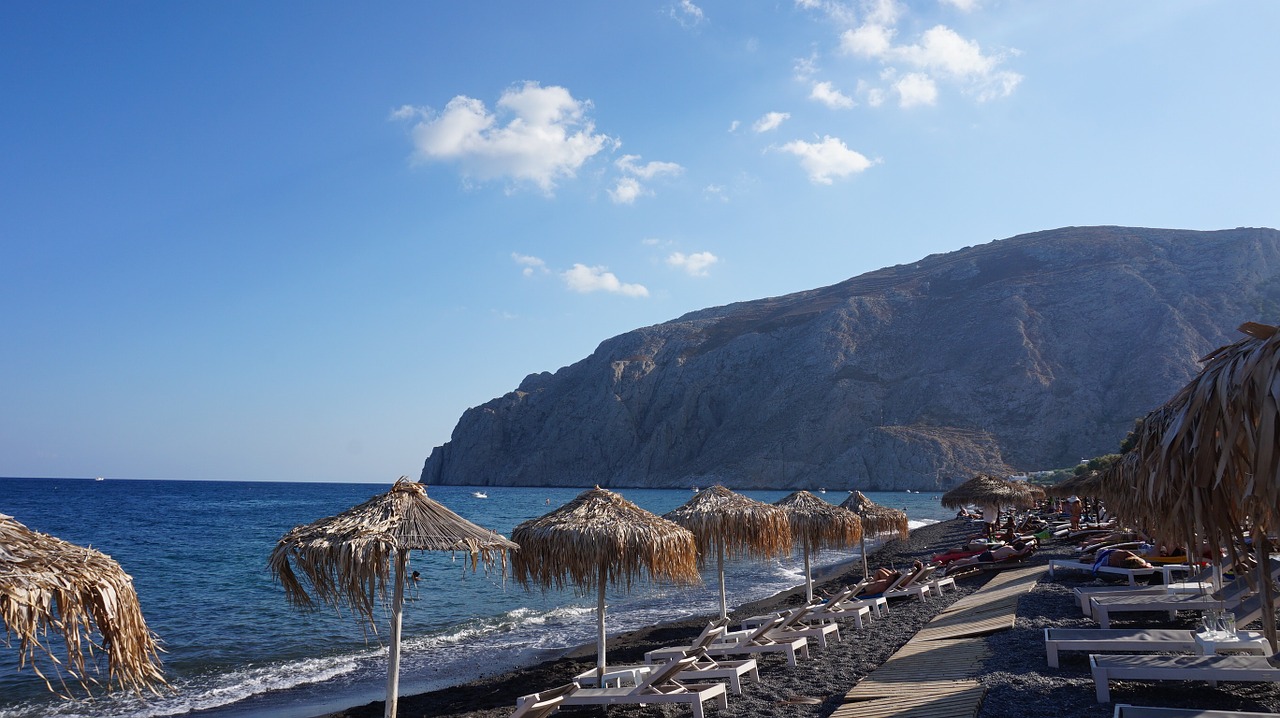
(876, 518)
(1086, 484)
(742, 525)
(820, 524)
(49, 584)
(602, 535)
(984, 489)
(346, 558)
(1208, 461)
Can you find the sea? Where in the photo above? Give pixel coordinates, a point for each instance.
(197, 552)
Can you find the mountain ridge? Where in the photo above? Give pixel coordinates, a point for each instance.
(1023, 353)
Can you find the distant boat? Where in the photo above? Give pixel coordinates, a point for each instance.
(695, 489)
(822, 491)
(99, 479)
(479, 494)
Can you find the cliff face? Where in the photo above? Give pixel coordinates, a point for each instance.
(1025, 353)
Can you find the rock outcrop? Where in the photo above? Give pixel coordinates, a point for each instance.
(1025, 353)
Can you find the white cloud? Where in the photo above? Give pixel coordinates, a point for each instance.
(827, 159)
(733, 126)
(546, 136)
(716, 191)
(916, 89)
(939, 52)
(962, 5)
(687, 14)
(628, 164)
(828, 95)
(695, 265)
(627, 191)
(530, 264)
(805, 68)
(771, 121)
(582, 278)
(628, 188)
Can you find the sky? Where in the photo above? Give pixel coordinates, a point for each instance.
(294, 241)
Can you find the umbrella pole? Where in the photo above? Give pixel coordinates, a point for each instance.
(393, 653)
(724, 603)
(600, 630)
(808, 577)
(863, 541)
(1260, 543)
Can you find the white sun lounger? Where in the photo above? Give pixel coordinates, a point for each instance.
(1132, 574)
(704, 669)
(744, 643)
(1178, 668)
(1124, 710)
(540, 705)
(659, 687)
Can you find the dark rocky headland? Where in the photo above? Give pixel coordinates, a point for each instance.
(1022, 354)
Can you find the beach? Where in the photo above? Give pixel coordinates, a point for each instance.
(1019, 684)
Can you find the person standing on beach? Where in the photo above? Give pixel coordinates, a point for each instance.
(1077, 510)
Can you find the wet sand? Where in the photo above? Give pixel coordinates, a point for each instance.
(1019, 683)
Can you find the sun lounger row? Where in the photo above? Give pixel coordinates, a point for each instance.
(682, 674)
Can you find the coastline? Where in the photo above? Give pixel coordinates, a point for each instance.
(1017, 680)
(494, 696)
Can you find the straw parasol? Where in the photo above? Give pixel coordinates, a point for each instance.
(819, 525)
(347, 558)
(876, 519)
(990, 492)
(1207, 463)
(600, 538)
(49, 584)
(734, 524)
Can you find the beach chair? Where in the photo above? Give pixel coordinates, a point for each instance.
(704, 669)
(795, 624)
(1124, 710)
(1178, 668)
(746, 643)
(840, 608)
(1145, 639)
(914, 585)
(660, 686)
(1232, 595)
(540, 705)
(1130, 574)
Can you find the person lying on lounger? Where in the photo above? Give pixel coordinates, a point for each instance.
(1011, 552)
(881, 579)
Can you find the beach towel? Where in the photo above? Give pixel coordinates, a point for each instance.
(1101, 559)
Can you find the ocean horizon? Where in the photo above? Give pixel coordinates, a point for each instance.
(197, 551)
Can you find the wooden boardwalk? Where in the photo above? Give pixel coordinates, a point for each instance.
(932, 676)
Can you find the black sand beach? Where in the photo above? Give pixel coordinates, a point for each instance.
(1019, 683)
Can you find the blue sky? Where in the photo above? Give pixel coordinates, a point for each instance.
(295, 241)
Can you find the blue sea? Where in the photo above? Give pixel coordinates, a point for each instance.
(197, 551)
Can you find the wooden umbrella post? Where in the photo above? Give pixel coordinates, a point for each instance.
(862, 541)
(393, 653)
(600, 663)
(724, 602)
(808, 577)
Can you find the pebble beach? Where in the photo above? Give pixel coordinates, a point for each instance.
(1018, 682)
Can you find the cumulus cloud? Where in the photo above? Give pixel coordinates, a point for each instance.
(530, 264)
(584, 279)
(827, 160)
(628, 187)
(536, 134)
(695, 265)
(938, 53)
(914, 89)
(687, 14)
(828, 95)
(771, 121)
(627, 191)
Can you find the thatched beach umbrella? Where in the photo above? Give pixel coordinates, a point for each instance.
(818, 525)
(597, 539)
(49, 584)
(347, 558)
(989, 492)
(875, 518)
(734, 524)
(1209, 459)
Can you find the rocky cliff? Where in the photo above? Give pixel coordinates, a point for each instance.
(1025, 353)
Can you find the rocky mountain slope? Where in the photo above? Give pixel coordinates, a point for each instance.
(1026, 353)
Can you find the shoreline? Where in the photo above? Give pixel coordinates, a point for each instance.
(495, 696)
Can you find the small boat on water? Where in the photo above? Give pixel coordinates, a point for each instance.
(822, 491)
(99, 479)
(479, 494)
(695, 489)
